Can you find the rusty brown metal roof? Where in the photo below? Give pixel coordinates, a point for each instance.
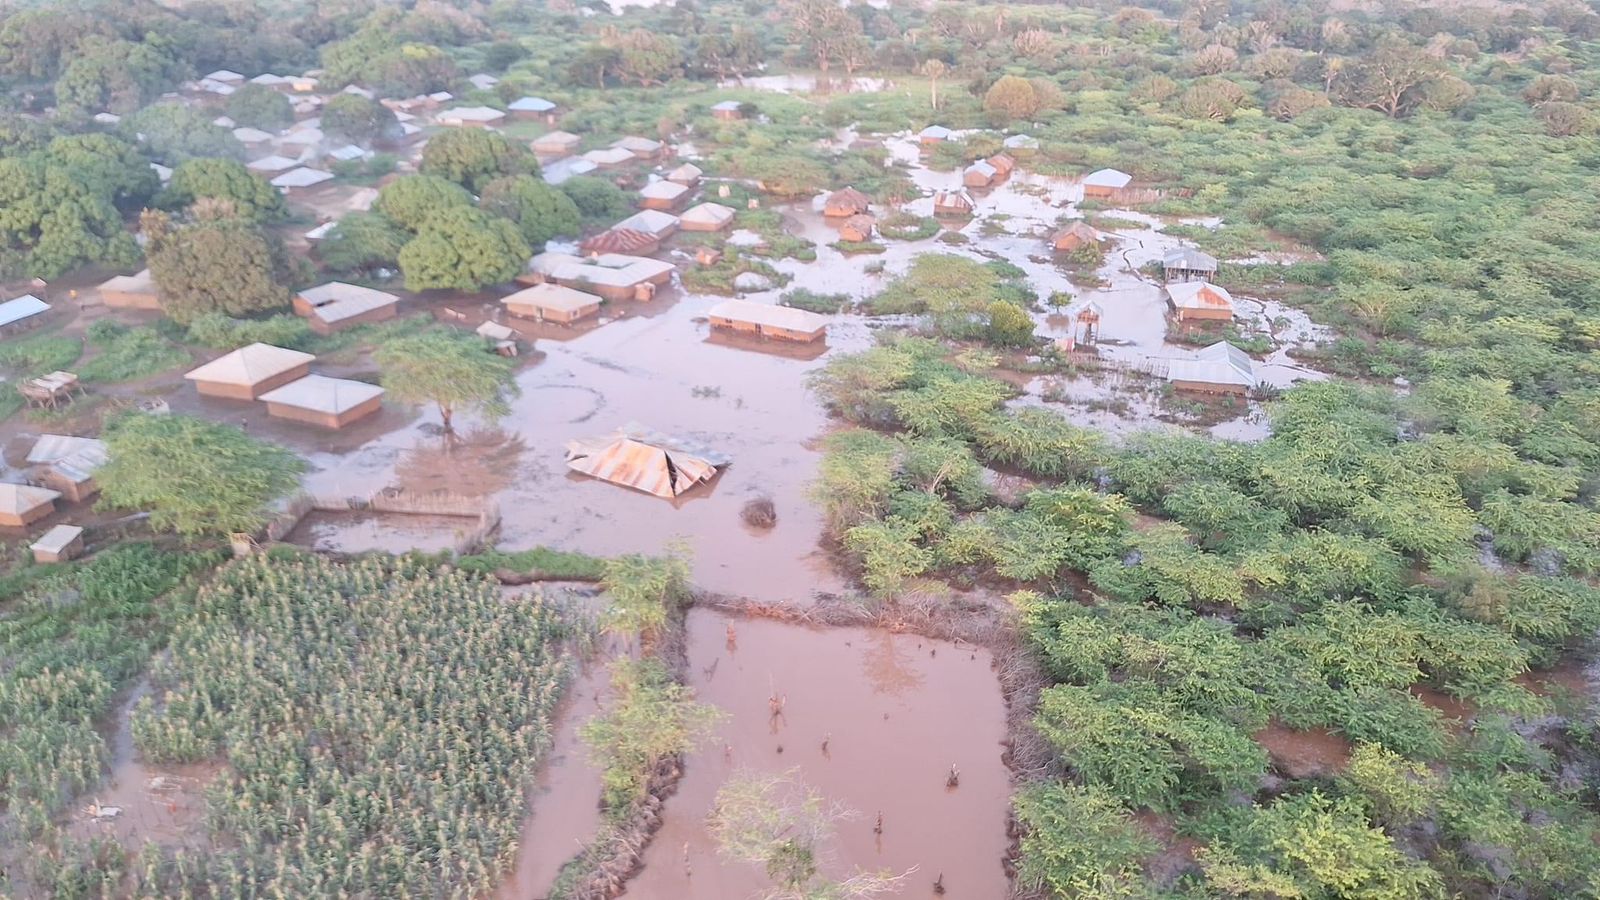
(643, 467)
(620, 240)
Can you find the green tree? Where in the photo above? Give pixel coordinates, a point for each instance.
(645, 57)
(645, 591)
(106, 166)
(362, 241)
(1009, 324)
(259, 106)
(473, 157)
(52, 219)
(1079, 842)
(252, 197)
(194, 477)
(540, 211)
(447, 368)
(1012, 97)
(223, 265)
(113, 75)
(781, 824)
(651, 720)
(359, 120)
(463, 249)
(173, 132)
(35, 44)
(409, 200)
(599, 200)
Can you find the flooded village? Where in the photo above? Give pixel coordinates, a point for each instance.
(508, 498)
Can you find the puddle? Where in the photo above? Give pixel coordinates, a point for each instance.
(896, 711)
(360, 532)
(1304, 754)
(162, 805)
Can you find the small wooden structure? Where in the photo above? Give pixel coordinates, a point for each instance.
(50, 391)
(502, 340)
(137, 291)
(22, 314)
(784, 323)
(857, 229)
(1105, 184)
(846, 202)
(68, 464)
(1199, 301)
(1188, 264)
(663, 195)
(953, 203)
(323, 401)
(337, 305)
(1076, 236)
(250, 371)
(934, 134)
(556, 143)
(727, 110)
(23, 504)
(980, 175)
(1087, 322)
(707, 255)
(60, 544)
(1003, 164)
(552, 303)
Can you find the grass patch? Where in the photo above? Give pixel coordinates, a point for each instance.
(778, 242)
(541, 563)
(39, 354)
(851, 248)
(719, 279)
(811, 301)
(907, 227)
(129, 353)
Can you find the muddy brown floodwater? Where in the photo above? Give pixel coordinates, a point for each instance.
(896, 712)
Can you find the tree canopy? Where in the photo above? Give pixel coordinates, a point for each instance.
(251, 196)
(473, 157)
(540, 211)
(463, 249)
(450, 370)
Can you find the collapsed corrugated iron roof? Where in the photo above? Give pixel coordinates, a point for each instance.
(620, 240)
(645, 460)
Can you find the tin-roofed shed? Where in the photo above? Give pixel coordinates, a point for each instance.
(136, 291)
(336, 305)
(1199, 300)
(552, 303)
(1220, 368)
(250, 371)
(23, 504)
(784, 323)
(324, 401)
(556, 143)
(1188, 264)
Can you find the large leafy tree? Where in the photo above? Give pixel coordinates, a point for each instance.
(408, 201)
(540, 211)
(106, 166)
(173, 132)
(599, 200)
(359, 120)
(259, 106)
(472, 157)
(463, 249)
(37, 43)
(224, 264)
(251, 196)
(54, 217)
(362, 241)
(194, 477)
(1079, 842)
(115, 75)
(448, 369)
(643, 56)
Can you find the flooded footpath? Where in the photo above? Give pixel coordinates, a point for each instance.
(872, 720)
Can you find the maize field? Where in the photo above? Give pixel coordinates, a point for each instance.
(380, 722)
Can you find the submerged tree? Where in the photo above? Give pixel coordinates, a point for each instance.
(781, 824)
(193, 477)
(448, 369)
(652, 720)
(645, 591)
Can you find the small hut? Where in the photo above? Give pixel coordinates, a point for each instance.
(953, 203)
(707, 217)
(979, 175)
(559, 170)
(1188, 264)
(68, 464)
(335, 306)
(857, 229)
(639, 147)
(271, 165)
(552, 303)
(613, 276)
(137, 291)
(653, 222)
(1199, 301)
(663, 195)
(532, 109)
(620, 240)
(687, 174)
(324, 401)
(22, 314)
(934, 134)
(23, 504)
(250, 371)
(1003, 164)
(556, 143)
(471, 117)
(609, 158)
(302, 179)
(1075, 237)
(1105, 184)
(60, 544)
(1220, 368)
(783, 323)
(482, 81)
(1020, 143)
(252, 138)
(1087, 321)
(846, 202)
(727, 110)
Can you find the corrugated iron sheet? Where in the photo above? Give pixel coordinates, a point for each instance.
(644, 468)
